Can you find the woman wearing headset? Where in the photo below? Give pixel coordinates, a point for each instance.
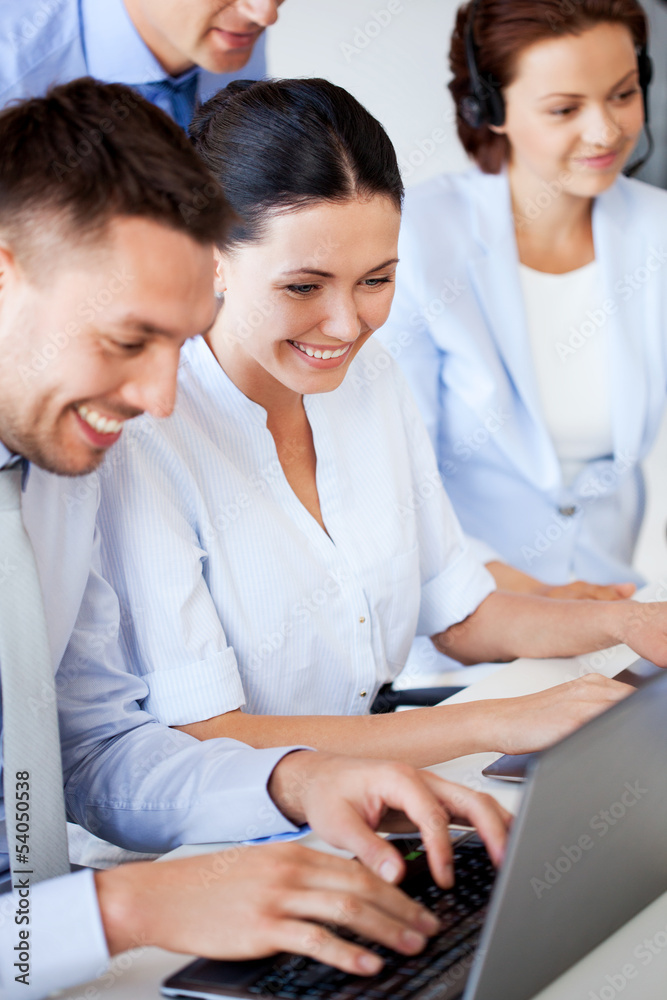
(530, 311)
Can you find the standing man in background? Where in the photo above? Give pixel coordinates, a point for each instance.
(174, 54)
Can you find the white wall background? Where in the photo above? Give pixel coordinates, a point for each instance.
(392, 55)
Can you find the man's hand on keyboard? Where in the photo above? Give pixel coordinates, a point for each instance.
(346, 800)
(249, 902)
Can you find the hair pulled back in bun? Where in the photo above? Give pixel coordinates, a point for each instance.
(279, 145)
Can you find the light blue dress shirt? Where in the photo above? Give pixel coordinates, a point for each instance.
(232, 594)
(45, 42)
(127, 778)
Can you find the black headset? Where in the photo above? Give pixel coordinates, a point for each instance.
(485, 104)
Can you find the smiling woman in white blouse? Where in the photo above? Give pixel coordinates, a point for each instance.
(530, 315)
(277, 543)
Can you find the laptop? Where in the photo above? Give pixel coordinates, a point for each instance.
(587, 852)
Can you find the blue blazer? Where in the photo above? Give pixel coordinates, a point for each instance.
(458, 329)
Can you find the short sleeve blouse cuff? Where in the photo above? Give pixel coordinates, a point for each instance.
(454, 594)
(182, 695)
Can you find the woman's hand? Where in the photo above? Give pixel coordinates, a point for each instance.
(346, 800)
(512, 579)
(579, 590)
(643, 627)
(536, 721)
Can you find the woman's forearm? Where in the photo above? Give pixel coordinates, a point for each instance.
(419, 737)
(426, 736)
(508, 625)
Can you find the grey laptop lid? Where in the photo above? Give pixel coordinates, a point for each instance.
(588, 851)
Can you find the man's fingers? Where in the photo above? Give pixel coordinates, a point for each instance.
(361, 916)
(354, 834)
(481, 811)
(354, 880)
(319, 943)
(411, 794)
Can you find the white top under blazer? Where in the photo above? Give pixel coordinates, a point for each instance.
(573, 385)
(459, 330)
(231, 593)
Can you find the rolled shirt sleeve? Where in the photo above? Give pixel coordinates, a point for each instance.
(195, 690)
(454, 595)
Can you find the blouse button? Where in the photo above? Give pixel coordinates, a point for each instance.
(567, 511)
(362, 694)
(362, 620)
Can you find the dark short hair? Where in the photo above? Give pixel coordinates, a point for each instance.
(502, 30)
(88, 152)
(279, 145)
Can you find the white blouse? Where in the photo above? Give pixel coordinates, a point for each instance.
(232, 594)
(566, 325)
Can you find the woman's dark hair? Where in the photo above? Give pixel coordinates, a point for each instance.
(87, 152)
(502, 29)
(279, 145)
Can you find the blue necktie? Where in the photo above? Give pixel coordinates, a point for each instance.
(177, 97)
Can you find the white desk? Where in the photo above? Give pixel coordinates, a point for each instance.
(622, 966)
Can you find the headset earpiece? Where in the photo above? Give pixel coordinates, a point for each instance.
(485, 104)
(645, 68)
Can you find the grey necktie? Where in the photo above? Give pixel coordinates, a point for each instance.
(32, 769)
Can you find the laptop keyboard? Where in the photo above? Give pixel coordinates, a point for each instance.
(461, 911)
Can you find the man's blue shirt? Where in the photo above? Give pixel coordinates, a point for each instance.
(46, 42)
